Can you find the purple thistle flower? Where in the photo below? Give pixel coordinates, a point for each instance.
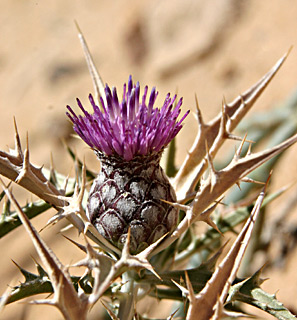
(129, 128)
(128, 138)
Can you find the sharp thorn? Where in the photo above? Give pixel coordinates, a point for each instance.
(239, 150)
(96, 78)
(190, 287)
(18, 146)
(177, 205)
(237, 138)
(198, 113)
(249, 180)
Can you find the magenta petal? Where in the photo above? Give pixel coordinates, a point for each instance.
(131, 127)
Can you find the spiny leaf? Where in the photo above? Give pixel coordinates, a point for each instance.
(33, 209)
(96, 262)
(233, 173)
(17, 167)
(226, 178)
(281, 132)
(250, 292)
(198, 276)
(28, 275)
(65, 297)
(233, 217)
(30, 288)
(202, 306)
(194, 165)
(35, 284)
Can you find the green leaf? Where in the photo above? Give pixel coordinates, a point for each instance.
(170, 167)
(198, 277)
(34, 284)
(10, 220)
(250, 292)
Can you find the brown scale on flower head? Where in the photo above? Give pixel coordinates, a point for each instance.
(129, 138)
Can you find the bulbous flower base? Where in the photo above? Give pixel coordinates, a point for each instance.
(129, 194)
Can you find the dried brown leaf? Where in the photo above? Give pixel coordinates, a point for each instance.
(65, 297)
(202, 305)
(216, 132)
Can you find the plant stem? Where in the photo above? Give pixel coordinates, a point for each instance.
(127, 300)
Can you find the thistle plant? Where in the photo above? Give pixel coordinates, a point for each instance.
(138, 219)
(131, 188)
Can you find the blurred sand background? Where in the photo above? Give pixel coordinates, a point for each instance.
(211, 48)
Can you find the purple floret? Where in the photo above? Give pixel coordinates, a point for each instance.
(131, 127)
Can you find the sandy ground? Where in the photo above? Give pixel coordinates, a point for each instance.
(212, 48)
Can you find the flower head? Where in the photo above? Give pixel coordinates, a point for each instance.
(131, 127)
